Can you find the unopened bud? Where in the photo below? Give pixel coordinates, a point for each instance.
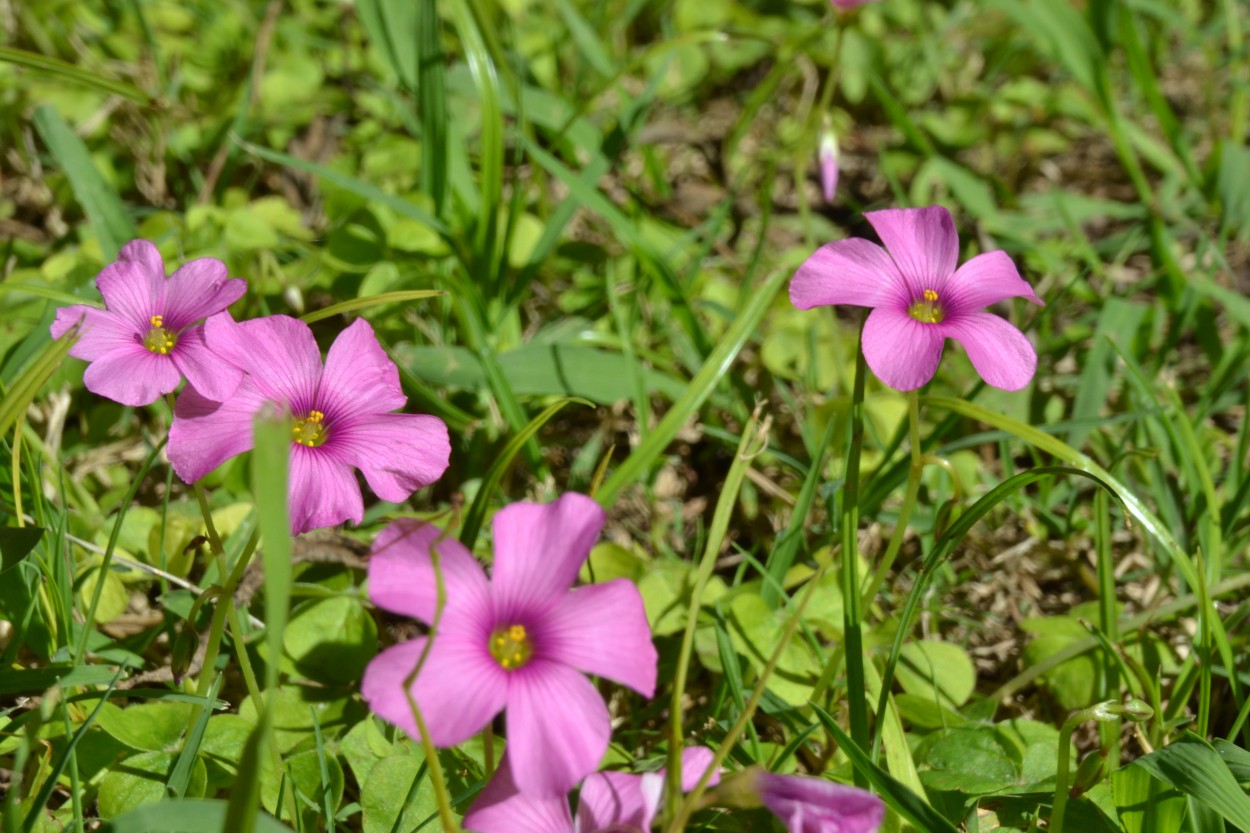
(827, 155)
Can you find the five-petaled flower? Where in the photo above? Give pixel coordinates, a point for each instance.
(340, 418)
(521, 640)
(147, 338)
(919, 299)
(609, 802)
(814, 805)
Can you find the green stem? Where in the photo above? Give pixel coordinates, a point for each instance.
(1238, 106)
(851, 613)
(1108, 711)
(1108, 619)
(909, 499)
(755, 435)
(693, 800)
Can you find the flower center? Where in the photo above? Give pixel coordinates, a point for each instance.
(927, 311)
(311, 430)
(159, 340)
(511, 647)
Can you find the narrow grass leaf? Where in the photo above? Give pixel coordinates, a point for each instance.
(787, 547)
(64, 299)
(104, 208)
(356, 304)
(485, 493)
(34, 680)
(897, 797)
(431, 100)
(61, 70)
(587, 41)
(699, 389)
(23, 391)
(1194, 767)
(187, 815)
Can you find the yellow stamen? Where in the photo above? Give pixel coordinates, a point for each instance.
(511, 647)
(927, 311)
(311, 430)
(157, 320)
(159, 340)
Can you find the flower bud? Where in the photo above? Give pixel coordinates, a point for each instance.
(827, 156)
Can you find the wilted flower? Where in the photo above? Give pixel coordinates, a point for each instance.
(521, 641)
(919, 299)
(341, 418)
(609, 802)
(814, 805)
(148, 337)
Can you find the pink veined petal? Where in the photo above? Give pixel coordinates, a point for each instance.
(502, 808)
(278, 351)
(401, 574)
(206, 371)
(206, 433)
(986, 279)
(359, 376)
(459, 689)
(618, 798)
(903, 352)
(199, 289)
(134, 376)
(398, 453)
(1000, 353)
(852, 271)
(558, 727)
(814, 805)
(101, 332)
(540, 547)
(602, 629)
(144, 253)
(323, 491)
(132, 290)
(922, 241)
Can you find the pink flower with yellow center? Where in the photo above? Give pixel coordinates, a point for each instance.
(814, 805)
(919, 299)
(609, 802)
(147, 338)
(340, 418)
(522, 641)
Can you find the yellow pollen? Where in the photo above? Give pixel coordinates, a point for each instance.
(927, 311)
(159, 340)
(157, 320)
(511, 647)
(311, 430)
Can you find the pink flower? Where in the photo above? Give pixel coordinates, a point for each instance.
(520, 641)
(920, 299)
(341, 415)
(146, 339)
(610, 802)
(814, 805)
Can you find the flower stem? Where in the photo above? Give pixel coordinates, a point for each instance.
(1109, 711)
(445, 814)
(856, 690)
(909, 499)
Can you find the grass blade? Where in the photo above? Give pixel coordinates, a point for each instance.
(75, 75)
(370, 301)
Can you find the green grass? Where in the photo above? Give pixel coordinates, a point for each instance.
(572, 225)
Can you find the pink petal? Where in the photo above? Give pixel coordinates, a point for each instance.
(205, 433)
(695, 761)
(502, 808)
(558, 727)
(620, 799)
(323, 491)
(199, 289)
(814, 805)
(133, 376)
(398, 453)
(101, 332)
(278, 351)
(851, 271)
(359, 376)
(206, 371)
(602, 629)
(903, 352)
(459, 689)
(540, 547)
(132, 290)
(144, 253)
(401, 575)
(986, 279)
(922, 241)
(999, 352)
